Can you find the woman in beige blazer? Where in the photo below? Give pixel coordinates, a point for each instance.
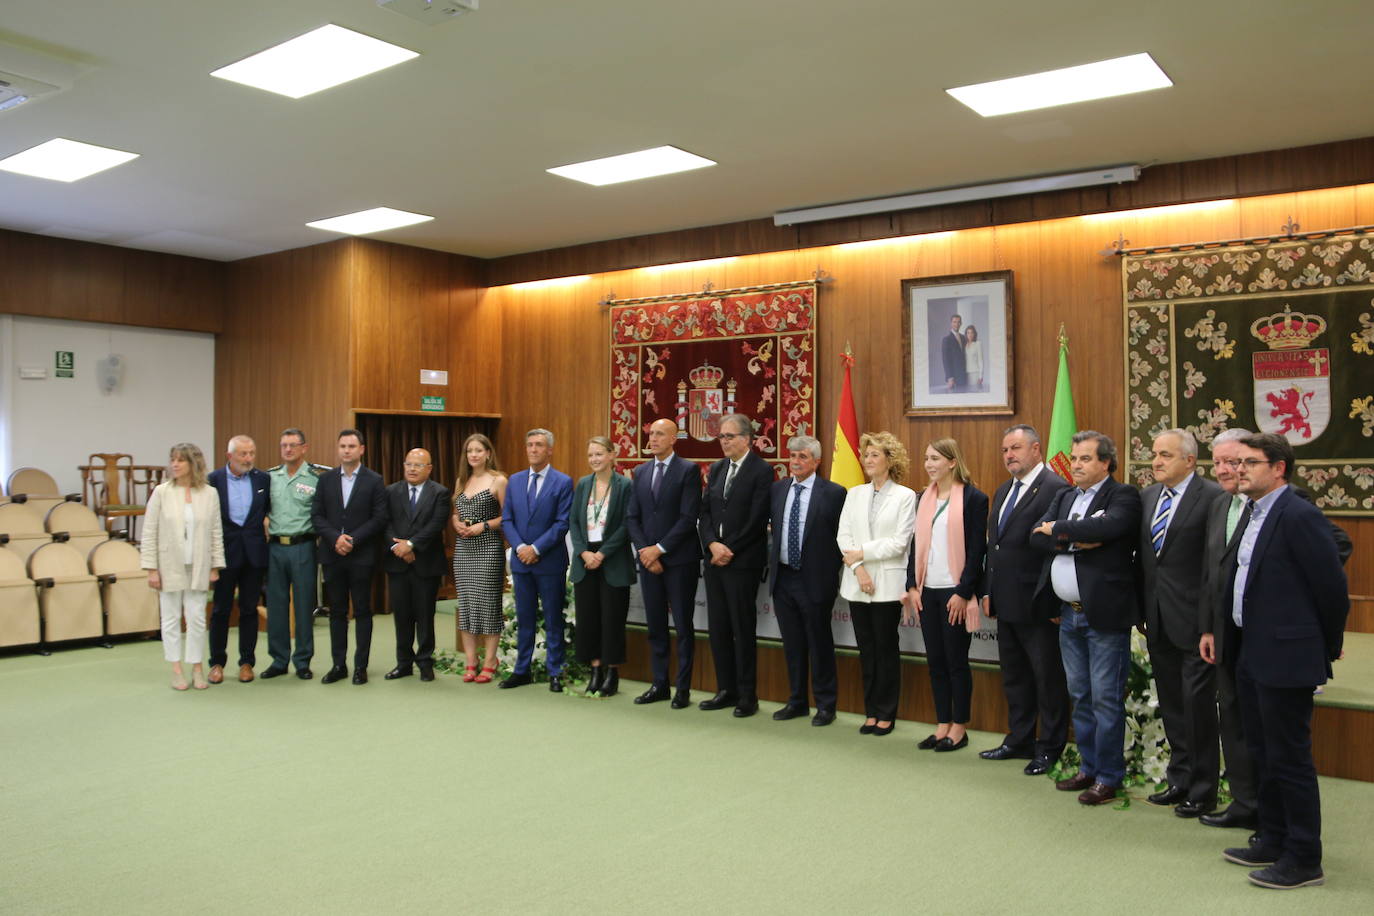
(183, 549)
(875, 537)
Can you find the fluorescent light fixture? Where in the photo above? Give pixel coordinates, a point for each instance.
(1104, 79)
(647, 163)
(1114, 175)
(317, 60)
(366, 222)
(705, 262)
(65, 160)
(552, 281)
(1166, 210)
(897, 240)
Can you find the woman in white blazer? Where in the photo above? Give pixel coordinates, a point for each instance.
(183, 549)
(875, 537)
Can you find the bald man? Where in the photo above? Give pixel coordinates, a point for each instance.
(417, 509)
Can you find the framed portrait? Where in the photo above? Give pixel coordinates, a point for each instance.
(956, 344)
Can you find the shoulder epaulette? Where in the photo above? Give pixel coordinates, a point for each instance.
(276, 468)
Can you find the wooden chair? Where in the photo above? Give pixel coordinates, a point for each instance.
(130, 605)
(68, 598)
(109, 481)
(19, 620)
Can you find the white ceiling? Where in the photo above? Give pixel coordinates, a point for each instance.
(802, 102)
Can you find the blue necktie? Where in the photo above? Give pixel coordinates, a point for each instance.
(1161, 520)
(1009, 507)
(533, 492)
(414, 494)
(794, 529)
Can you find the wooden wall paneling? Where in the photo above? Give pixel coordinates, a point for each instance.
(475, 341)
(370, 326)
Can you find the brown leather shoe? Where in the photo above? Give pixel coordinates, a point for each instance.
(217, 674)
(245, 673)
(1075, 783)
(1099, 794)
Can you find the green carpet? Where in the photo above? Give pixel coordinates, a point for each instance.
(120, 795)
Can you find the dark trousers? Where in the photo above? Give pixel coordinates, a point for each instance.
(246, 581)
(291, 574)
(731, 616)
(1278, 730)
(412, 606)
(601, 609)
(951, 681)
(880, 658)
(1187, 690)
(674, 589)
(1240, 771)
(343, 581)
(1034, 684)
(807, 639)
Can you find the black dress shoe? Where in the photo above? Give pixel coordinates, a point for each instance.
(1039, 766)
(823, 717)
(516, 680)
(656, 693)
(746, 708)
(360, 676)
(610, 684)
(682, 699)
(1287, 877)
(397, 672)
(426, 673)
(1003, 752)
(1251, 856)
(1229, 818)
(337, 673)
(721, 700)
(1191, 808)
(790, 712)
(304, 674)
(273, 671)
(556, 683)
(944, 744)
(928, 743)
(1169, 795)
(879, 731)
(594, 682)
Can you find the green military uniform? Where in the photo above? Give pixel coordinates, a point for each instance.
(291, 574)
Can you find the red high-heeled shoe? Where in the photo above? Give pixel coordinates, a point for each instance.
(469, 673)
(485, 676)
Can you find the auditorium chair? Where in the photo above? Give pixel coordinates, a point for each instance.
(19, 621)
(21, 529)
(37, 489)
(68, 598)
(74, 524)
(130, 605)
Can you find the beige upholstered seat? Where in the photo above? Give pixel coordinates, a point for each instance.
(68, 598)
(36, 488)
(130, 605)
(78, 525)
(21, 529)
(19, 624)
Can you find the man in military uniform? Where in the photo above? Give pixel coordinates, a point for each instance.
(291, 574)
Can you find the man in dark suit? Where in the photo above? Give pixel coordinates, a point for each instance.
(1027, 620)
(1173, 527)
(1289, 602)
(535, 522)
(1090, 533)
(952, 354)
(349, 514)
(806, 562)
(734, 528)
(245, 500)
(662, 521)
(417, 509)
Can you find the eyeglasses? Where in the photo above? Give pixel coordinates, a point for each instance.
(724, 436)
(1232, 463)
(1252, 462)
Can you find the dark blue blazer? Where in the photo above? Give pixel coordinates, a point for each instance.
(741, 521)
(364, 518)
(543, 525)
(1296, 597)
(671, 520)
(821, 560)
(970, 583)
(1106, 574)
(245, 545)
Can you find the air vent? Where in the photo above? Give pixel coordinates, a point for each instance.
(430, 12)
(15, 90)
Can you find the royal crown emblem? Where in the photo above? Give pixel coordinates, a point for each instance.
(706, 376)
(700, 411)
(1288, 330)
(1292, 378)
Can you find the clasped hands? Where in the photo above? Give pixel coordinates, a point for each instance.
(592, 560)
(649, 558)
(402, 549)
(720, 554)
(343, 546)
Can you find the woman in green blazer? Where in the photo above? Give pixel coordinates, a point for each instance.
(602, 567)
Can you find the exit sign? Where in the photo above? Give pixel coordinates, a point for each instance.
(64, 365)
(431, 403)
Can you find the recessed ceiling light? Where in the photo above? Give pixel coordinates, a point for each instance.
(1104, 79)
(647, 163)
(366, 222)
(317, 60)
(65, 160)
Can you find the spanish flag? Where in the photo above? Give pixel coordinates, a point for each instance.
(845, 469)
(1063, 422)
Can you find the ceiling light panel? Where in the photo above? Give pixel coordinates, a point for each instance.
(65, 160)
(1104, 79)
(366, 222)
(647, 163)
(317, 60)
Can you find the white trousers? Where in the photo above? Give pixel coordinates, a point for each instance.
(171, 606)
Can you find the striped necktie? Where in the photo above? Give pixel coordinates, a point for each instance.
(1161, 520)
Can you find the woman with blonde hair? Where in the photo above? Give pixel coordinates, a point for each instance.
(875, 538)
(479, 555)
(944, 581)
(183, 551)
(602, 567)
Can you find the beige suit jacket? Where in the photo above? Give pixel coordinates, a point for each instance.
(164, 528)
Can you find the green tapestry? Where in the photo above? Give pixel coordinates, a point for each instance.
(1269, 336)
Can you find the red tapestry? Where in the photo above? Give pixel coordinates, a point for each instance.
(698, 357)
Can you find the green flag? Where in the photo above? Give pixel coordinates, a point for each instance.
(1063, 423)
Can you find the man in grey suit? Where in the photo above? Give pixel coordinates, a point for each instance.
(1173, 528)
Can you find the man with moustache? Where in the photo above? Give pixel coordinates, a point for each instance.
(417, 510)
(245, 501)
(292, 572)
(1027, 620)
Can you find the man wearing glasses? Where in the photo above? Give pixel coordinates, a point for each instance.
(417, 510)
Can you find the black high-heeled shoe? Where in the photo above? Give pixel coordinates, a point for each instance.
(594, 682)
(610, 684)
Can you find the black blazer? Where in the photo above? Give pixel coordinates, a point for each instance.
(821, 560)
(425, 530)
(741, 522)
(1171, 583)
(364, 519)
(975, 544)
(671, 520)
(1011, 572)
(1106, 574)
(244, 545)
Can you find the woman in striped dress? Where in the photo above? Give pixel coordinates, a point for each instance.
(479, 555)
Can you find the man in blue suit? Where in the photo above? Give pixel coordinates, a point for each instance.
(1289, 601)
(245, 499)
(662, 520)
(535, 522)
(806, 562)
